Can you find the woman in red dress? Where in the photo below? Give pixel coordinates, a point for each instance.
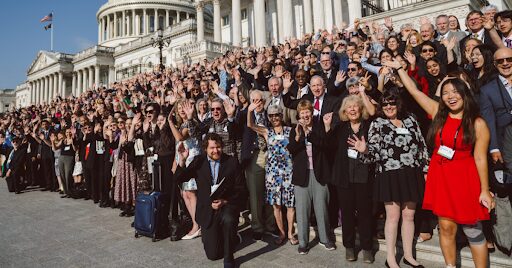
(457, 187)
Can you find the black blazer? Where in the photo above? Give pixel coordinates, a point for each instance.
(234, 182)
(17, 164)
(249, 137)
(337, 137)
(330, 103)
(322, 162)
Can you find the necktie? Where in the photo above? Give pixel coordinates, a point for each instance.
(214, 170)
(508, 42)
(475, 36)
(317, 104)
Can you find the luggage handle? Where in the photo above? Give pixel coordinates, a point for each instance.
(157, 175)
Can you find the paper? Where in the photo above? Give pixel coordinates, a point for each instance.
(216, 187)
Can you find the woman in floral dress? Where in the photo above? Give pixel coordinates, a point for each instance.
(278, 178)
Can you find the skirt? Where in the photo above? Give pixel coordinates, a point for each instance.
(400, 185)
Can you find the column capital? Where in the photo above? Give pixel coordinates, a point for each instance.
(216, 2)
(200, 6)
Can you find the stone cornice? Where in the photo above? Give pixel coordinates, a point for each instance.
(170, 3)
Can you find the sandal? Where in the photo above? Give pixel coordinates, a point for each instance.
(293, 241)
(280, 240)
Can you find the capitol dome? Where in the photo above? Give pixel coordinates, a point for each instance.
(122, 21)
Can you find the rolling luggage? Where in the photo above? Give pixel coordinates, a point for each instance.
(150, 210)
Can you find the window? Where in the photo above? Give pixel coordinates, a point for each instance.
(225, 20)
(244, 14)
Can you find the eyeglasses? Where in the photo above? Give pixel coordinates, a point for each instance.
(149, 111)
(392, 103)
(216, 109)
(274, 115)
(352, 69)
(326, 53)
(502, 61)
(427, 50)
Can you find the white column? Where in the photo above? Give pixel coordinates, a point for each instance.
(308, 16)
(137, 25)
(261, 29)
(108, 27)
(338, 13)
(236, 24)
(45, 89)
(146, 22)
(328, 10)
(166, 19)
(354, 10)
(123, 24)
(133, 32)
(50, 88)
(73, 85)
(99, 30)
(111, 75)
(36, 91)
(115, 25)
(90, 78)
(64, 84)
(62, 88)
(200, 21)
(97, 75)
(280, 32)
(79, 83)
(217, 35)
(157, 21)
(56, 85)
(287, 17)
(318, 15)
(84, 80)
(178, 17)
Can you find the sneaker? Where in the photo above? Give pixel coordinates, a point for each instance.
(350, 254)
(329, 245)
(368, 256)
(303, 250)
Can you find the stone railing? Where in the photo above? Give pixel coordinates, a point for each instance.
(209, 46)
(93, 51)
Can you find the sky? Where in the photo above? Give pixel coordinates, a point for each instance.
(22, 36)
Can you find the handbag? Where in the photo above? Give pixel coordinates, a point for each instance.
(503, 227)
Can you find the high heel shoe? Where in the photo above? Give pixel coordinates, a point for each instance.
(387, 265)
(406, 262)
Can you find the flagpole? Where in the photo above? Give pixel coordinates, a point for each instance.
(53, 25)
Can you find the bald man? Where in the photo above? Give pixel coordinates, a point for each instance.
(496, 102)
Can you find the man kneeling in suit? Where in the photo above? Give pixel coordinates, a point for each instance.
(217, 214)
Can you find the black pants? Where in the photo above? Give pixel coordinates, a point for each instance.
(97, 178)
(169, 185)
(88, 174)
(220, 238)
(105, 183)
(47, 170)
(356, 202)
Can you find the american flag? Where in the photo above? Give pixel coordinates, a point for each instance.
(47, 17)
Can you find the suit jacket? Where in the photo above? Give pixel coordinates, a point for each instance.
(496, 107)
(289, 115)
(330, 103)
(17, 163)
(487, 41)
(234, 182)
(322, 162)
(249, 137)
(459, 36)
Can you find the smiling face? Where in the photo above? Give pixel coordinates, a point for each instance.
(214, 150)
(503, 61)
(275, 119)
(301, 78)
(306, 116)
(427, 32)
(477, 59)
(392, 44)
(433, 68)
(353, 111)
(453, 23)
(317, 86)
(427, 52)
(160, 121)
(217, 110)
(442, 24)
(390, 109)
(452, 98)
(504, 25)
(385, 57)
(474, 22)
(274, 86)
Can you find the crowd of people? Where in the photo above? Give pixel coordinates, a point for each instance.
(346, 128)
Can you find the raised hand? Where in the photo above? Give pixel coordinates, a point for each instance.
(488, 23)
(357, 144)
(388, 22)
(364, 80)
(327, 119)
(287, 81)
(356, 24)
(183, 153)
(229, 108)
(278, 71)
(340, 77)
(410, 57)
(188, 108)
(392, 64)
(253, 105)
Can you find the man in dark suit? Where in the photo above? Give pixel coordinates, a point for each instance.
(16, 165)
(328, 73)
(496, 102)
(216, 213)
(45, 154)
(474, 20)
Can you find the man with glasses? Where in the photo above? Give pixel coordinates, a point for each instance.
(496, 102)
(475, 23)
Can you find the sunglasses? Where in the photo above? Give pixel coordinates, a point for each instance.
(216, 109)
(149, 111)
(427, 50)
(502, 61)
(274, 115)
(352, 69)
(326, 53)
(392, 103)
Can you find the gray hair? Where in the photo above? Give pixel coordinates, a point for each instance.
(279, 80)
(405, 25)
(489, 8)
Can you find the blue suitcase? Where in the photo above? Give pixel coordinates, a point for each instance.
(150, 211)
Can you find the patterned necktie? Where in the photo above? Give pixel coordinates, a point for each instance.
(508, 42)
(475, 36)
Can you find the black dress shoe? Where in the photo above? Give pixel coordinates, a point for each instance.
(64, 196)
(122, 214)
(410, 264)
(257, 236)
(17, 192)
(96, 201)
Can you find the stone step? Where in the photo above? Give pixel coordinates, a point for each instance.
(428, 250)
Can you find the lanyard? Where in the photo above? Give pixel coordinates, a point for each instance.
(454, 139)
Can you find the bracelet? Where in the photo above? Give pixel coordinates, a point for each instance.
(399, 68)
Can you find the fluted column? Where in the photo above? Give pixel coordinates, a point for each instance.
(45, 88)
(99, 30)
(79, 83)
(287, 16)
(217, 37)
(62, 88)
(84, 80)
(308, 16)
(338, 13)
(200, 21)
(145, 29)
(236, 24)
(354, 10)
(166, 18)
(90, 77)
(108, 27)
(64, 84)
(280, 32)
(36, 92)
(56, 85)
(157, 21)
(261, 29)
(115, 25)
(178, 17)
(133, 32)
(97, 75)
(73, 84)
(328, 9)
(318, 16)
(50, 88)
(123, 24)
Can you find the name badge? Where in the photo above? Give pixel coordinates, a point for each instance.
(279, 137)
(211, 130)
(446, 152)
(225, 128)
(402, 131)
(352, 153)
(67, 148)
(100, 147)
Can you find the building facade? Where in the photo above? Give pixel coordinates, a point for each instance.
(201, 29)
